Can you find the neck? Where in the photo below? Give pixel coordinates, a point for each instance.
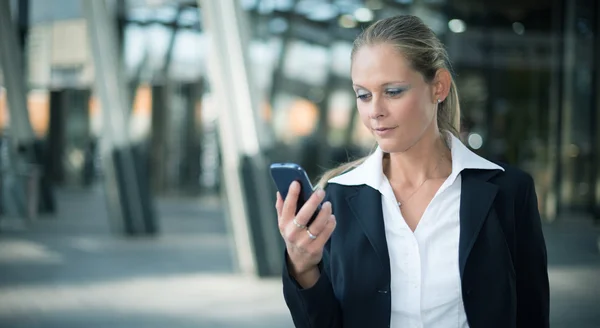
(429, 158)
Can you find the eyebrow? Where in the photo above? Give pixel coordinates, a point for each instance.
(383, 85)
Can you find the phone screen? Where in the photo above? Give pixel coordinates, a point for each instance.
(284, 174)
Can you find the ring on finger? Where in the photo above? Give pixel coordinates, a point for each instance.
(301, 226)
(310, 235)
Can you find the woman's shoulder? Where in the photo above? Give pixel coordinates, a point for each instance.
(339, 189)
(514, 180)
(337, 192)
(514, 174)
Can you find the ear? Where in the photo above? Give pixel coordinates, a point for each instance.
(441, 85)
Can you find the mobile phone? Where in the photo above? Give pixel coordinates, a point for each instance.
(284, 174)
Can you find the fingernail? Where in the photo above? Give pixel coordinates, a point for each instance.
(326, 205)
(332, 217)
(321, 193)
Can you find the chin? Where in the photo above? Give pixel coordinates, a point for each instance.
(393, 146)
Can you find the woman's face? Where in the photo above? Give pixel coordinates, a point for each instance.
(394, 101)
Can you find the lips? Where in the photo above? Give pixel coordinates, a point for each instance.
(384, 131)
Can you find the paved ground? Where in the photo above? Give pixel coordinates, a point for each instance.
(574, 261)
(70, 271)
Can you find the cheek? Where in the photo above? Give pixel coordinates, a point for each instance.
(363, 112)
(410, 108)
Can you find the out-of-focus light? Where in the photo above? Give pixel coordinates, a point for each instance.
(248, 4)
(457, 25)
(347, 21)
(519, 28)
(188, 17)
(265, 7)
(475, 140)
(303, 116)
(76, 158)
(363, 15)
(139, 14)
(278, 25)
(284, 5)
(321, 12)
(165, 14)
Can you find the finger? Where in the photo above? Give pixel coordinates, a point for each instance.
(279, 204)
(289, 204)
(317, 226)
(309, 208)
(325, 234)
(317, 244)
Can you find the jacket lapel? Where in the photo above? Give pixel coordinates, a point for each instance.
(365, 204)
(476, 200)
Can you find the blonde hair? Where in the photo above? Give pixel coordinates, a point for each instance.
(425, 53)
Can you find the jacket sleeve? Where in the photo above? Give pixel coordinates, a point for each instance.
(315, 307)
(533, 299)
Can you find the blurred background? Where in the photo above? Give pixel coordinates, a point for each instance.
(136, 137)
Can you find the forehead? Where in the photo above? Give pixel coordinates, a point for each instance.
(379, 64)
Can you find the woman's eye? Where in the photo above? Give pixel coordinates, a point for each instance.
(393, 92)
(363, 96)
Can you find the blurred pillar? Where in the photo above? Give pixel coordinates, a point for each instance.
(121, 20)
(192, 155)
(11, 58)
(158, 138)
(552, 196)
(23, 13)
(31, 151)
(322, 134)
(248, 190)
(56, 136)
(576, 127)
(286, 38)
(596, 112)
(567, 187)
(349, 132)
(161, 118)
(126, 181)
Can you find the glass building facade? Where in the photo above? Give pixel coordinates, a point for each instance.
(527, 73)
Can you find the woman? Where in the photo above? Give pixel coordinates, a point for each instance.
(425, 233)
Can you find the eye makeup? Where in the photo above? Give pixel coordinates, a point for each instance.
(362, 94)
(390, 92)
(395, 91)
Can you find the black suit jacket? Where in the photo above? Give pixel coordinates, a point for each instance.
(502, 258)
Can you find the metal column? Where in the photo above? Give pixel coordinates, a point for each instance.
(11, 61)
(596, 183)
(551, 200)
(249, 192)
(126, 179)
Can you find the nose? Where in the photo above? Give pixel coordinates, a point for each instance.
(377, 109)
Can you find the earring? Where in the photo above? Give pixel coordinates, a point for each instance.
(439, 101)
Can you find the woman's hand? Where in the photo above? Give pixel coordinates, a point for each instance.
(304, 244)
